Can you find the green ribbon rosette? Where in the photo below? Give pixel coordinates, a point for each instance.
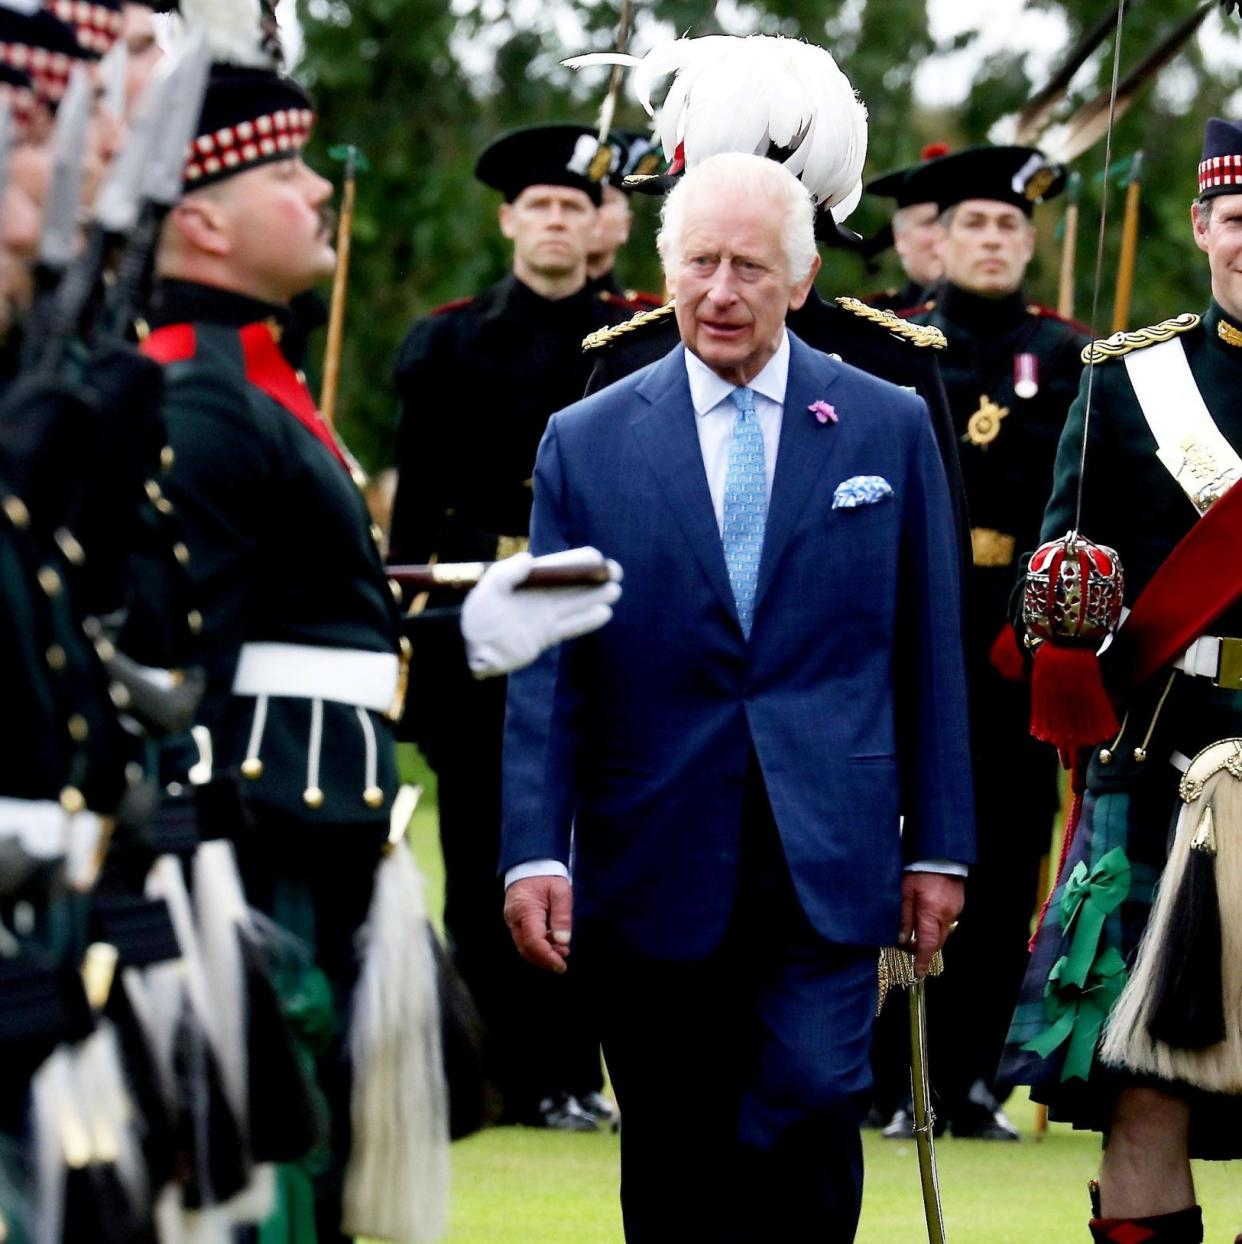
(1086, 981)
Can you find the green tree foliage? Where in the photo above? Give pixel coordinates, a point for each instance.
(421, 86)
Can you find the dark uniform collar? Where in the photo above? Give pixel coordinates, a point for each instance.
(1223, 330)
(984, 317)
(183, 302)
(517, 298)
(189, 302)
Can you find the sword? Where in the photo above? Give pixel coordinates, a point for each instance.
(896, 970)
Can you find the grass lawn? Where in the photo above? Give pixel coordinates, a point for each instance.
(522, 1186)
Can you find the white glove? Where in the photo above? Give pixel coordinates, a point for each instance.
(505, 630)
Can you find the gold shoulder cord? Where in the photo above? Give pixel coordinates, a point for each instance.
(606, 336)
(926, 335)
(1122, 343)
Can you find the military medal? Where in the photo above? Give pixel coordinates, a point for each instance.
(1026, 375)
(983, 427)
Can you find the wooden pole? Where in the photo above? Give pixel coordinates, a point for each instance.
(340, 283)
(1129, 246)
(1069, 248)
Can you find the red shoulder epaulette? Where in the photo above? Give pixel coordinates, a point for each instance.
(906, 312)
(455, 305)
(1051, 313)
(174, 343)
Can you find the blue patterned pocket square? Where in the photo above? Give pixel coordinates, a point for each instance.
(861, 490)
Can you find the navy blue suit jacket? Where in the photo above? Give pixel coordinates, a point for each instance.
(851, 690)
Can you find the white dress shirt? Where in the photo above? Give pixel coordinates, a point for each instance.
(714, 416)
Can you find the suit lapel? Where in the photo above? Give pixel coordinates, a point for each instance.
(805, 447)
(666, 430)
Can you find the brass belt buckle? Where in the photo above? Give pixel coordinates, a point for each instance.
(1229, 668)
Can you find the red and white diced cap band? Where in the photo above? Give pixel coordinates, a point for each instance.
(97, 26)
(1222, 170)
(235, 146)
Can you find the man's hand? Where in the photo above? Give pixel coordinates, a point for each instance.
(539, 913)
(930, 903)
(506, 629)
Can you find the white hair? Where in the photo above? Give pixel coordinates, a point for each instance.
(732, 176)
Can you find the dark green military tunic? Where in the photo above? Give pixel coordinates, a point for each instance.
(281, 550)
(1008, 445)
(478, 382)
(1132, 504)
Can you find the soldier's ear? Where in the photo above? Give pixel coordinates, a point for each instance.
(1199, 222)
(506, 220)
(201, 221)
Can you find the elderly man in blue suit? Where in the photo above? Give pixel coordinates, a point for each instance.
(710, 792)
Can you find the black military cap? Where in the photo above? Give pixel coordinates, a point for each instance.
(1022, 176)
(546, 155)
(42, 47)
(899, 183)
(634, 154)
(96, 23)
(250, 116)
(1220, 170)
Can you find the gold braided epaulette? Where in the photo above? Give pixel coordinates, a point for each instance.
(1121, 343)
(917, 334)
(606, 336)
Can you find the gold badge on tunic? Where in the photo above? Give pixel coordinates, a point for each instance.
(983, 427)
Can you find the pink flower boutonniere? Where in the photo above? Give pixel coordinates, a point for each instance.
(823, 412)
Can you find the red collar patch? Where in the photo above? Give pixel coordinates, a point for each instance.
(270, 372)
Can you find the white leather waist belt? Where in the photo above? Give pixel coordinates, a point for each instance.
(305, 672)
(1216, 657)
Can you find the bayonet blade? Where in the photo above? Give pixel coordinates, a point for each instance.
(116, 209)
(58, 243)
(165, 171)
(112, 73)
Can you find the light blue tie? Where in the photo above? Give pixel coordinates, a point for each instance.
(745, 506)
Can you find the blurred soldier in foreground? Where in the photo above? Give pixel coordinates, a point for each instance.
(916, 234)
(478, 380)
(1144, 932)
(1011, 369)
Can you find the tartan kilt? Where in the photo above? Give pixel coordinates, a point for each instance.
(1133, 806)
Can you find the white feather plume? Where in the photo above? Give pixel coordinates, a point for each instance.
(234, 30)
(754, 93)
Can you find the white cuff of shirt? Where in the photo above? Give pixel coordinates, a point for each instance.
(951, 868)
(536, 868)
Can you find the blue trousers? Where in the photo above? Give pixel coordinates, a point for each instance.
(741, 1076)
